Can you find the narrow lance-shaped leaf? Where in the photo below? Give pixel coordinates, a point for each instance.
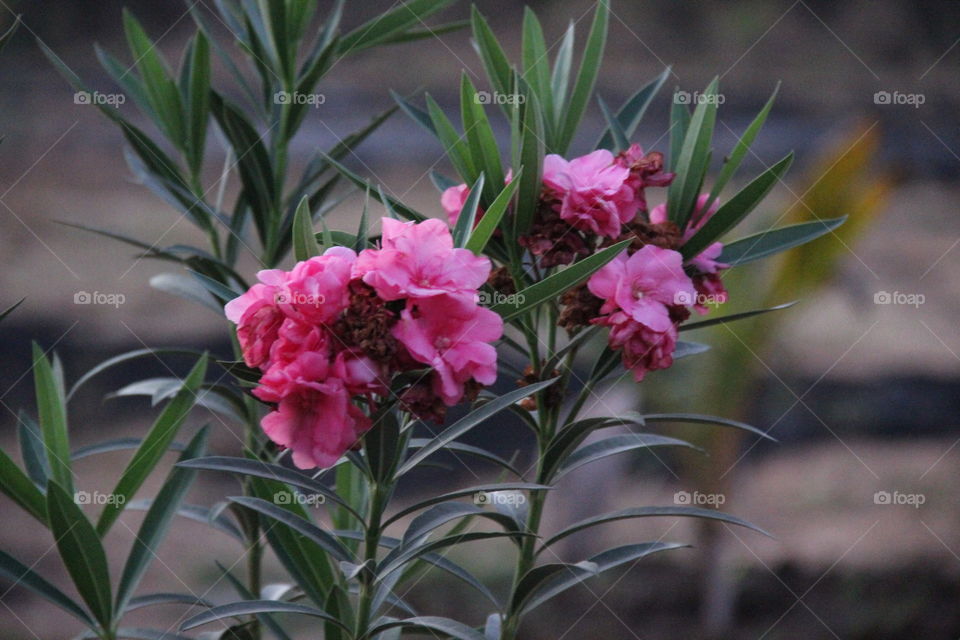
(155, 444)
(554, 285)
(51, 404)
(81, 552)
(733, 316)
(304, 239)
(18, 487)
(157, 521)
(32, 451)
(586, 78)
(632, 111)
(254, 607)
(22, 575)
(694, 155)
(767, 243)
(492, 216)
(736, 209)
(468, 214)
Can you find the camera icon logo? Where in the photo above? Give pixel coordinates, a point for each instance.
(82, 97)
(882, 297)
(882, 497)
(481, 497)
(682, 97)
(682, 497)
(283, 498)
(282, 97)
(882, 97)
(684, 297)
(82, 297)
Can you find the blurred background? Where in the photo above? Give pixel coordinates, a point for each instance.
(859, 382)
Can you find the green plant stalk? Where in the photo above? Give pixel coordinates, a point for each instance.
(378, 498)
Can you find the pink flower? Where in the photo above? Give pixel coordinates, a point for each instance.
(646, 170)
(706, 261)
(316, 289)
(418, 260)
(644, 349)
(257, 317)
(454, 340)
(453, 198)
(593, 191)
(318, 422)
(643, 286)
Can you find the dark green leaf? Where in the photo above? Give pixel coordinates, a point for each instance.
(304, 239)
(52, 407)
(586, 78)
(614, 445)
(20, 574)
(696, 418)
(733, 316)
(773, 241)
(632, 111)
(254, 607)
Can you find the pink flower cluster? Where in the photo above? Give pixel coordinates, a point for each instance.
(329, 334)
(644, 297)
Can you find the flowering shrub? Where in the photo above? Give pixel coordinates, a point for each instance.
(343, 360)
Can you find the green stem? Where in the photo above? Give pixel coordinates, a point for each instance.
(378, 496)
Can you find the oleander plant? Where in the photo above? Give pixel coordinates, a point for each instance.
(543, 277)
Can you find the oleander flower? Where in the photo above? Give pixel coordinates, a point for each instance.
(454, 340)
(646, 170)
(593, 191)
(418, 260)
(643, 286)
(643, 349)
(453, 198)
(330, 334)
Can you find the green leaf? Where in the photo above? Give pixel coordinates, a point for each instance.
(304, 239)
(494, 59)
(733, 316)
(694, 156)
(185, 286)
(488, 224)
(389, 25)
(399, 207)
(321, 538)
(409, 554)
(254, 607)
(51, 404)
(455, 145)
(268, 471)
(560, 79)
(155, 444)
(480, 139)
(265, 618)
(383, 445)
(469, 421)
(440, 514)
(620, 140)
(153, 599)
(81, 552)
(596, 565)
(532, 151)
(18, 487)
(679, 123)
(468, 213)
(126, 357)
(696, 418)
(736, 209)
(10, 309)
(197, 98)
(555, 285)
(20, 574)
(446, 626)
(32, 451)
(460, 493)
(650, 512)
(586, 78)
(773, 241)
(633, 110)
(614, 445)
(160, 88)
(536, 66)
(157, 521)
(478, 452)
(732, 163)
